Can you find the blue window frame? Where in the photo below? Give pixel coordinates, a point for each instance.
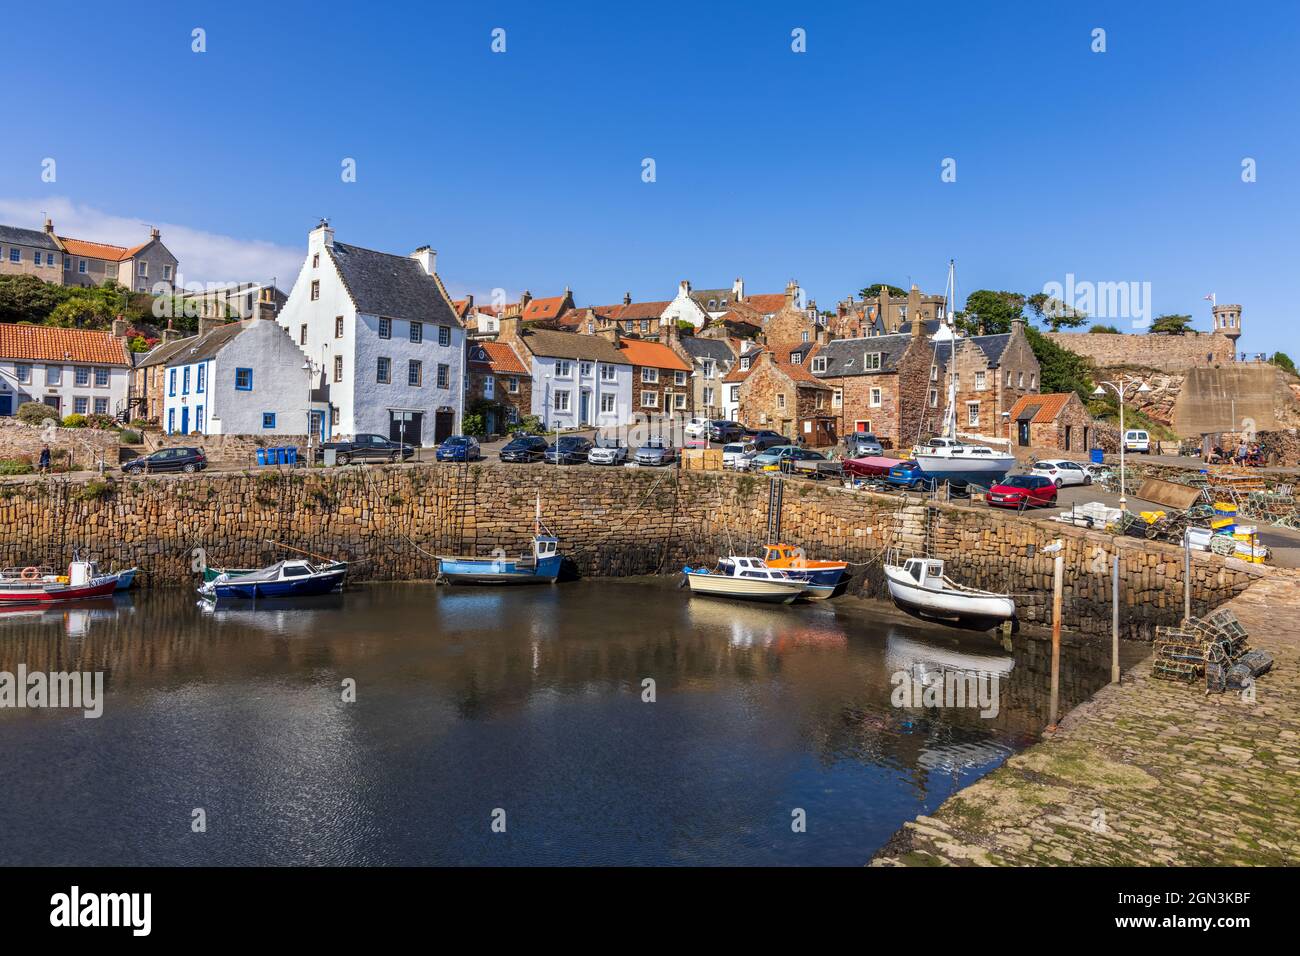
(268, 419)
(171, 382)
(198, 382)
(171, 421)
(198, 418)
(244, 379)
(185, 380)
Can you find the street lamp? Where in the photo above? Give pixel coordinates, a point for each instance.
(1122, 388)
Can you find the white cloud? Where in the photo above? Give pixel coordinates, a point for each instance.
(205, 257)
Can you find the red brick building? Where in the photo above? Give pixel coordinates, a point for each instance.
(1056, 420)
(661, 382)
(499, 385)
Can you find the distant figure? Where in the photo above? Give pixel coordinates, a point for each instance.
(44, 465)
(1242, 452)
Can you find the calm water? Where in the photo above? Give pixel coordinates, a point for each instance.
(470, 700)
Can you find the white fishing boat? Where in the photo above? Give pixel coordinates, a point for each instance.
(919, 586)
(747, 579)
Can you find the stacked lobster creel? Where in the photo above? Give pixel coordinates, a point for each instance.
(1212, 648)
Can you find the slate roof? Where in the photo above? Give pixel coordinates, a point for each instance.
(27, 237)
(45, 343)
(723, 299)
(161, 352)
(716, 349)
(571, 345)
(396, 287)
(203, 347)
(991, 345)
(845, 356)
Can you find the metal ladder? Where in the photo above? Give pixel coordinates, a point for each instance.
(775, 497)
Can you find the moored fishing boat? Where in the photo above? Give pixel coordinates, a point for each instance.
(750, 579)
(919, 586)
(297, 578)
(542, 566)
(211, 574)
(31, 585)
(785, 557)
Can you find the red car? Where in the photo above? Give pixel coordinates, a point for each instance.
(1023, 491)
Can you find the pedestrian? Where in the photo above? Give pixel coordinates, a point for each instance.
(44, 465)
(1242, 452)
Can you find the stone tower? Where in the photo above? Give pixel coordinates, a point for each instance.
(1227, 322)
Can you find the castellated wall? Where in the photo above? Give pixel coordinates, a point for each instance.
(1169, 353)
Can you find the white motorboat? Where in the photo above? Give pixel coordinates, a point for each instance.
(747, 579)
(919, 586)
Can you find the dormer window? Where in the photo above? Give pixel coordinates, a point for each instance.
(744, 363)
(871, 362)
(819, 364)
(796, 358)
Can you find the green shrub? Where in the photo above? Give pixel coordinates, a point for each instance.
(129, 437)
(15, 466)
(74, 421)
(94, 490)
(100, 421)
(36, 413)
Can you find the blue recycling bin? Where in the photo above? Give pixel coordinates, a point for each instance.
(291, 455)
(261, 456)
(281, 457)
(1098, 456)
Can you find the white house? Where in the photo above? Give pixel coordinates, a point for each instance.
(382, 331)
(577, 379)
(243, 378)
(71, 370)
(684, 308)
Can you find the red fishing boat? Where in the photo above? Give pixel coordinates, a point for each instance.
(32, 585)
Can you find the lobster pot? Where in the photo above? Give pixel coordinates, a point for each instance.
(1249, 665)
(1216, 678)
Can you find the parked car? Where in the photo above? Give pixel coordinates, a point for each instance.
(780, 454)
(1023, 491)
(908, 474)
(188, 460)
(655, 452)
(765, 438)
(1135, 439)
(523, 448)
(568, 450)
(696, 428)
(366, 448)
(459, 448)
(613, 454)
(1062, 472)
(737, 455)
(724, 431)
(862, 445)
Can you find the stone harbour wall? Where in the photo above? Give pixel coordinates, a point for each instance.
(1169, 353)
(86, 445)
(392, 521)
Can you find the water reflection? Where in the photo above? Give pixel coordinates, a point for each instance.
(527, 699)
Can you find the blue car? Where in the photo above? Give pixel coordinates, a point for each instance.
(908, 474)
(459, 448)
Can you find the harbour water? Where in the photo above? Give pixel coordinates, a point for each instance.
(524, 706)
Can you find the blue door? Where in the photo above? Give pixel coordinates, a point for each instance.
(185, 420)
(6, 404)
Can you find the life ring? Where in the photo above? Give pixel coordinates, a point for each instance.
(31, 574)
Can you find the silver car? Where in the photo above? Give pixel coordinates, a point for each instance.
(607, 455)
(655, 452)
(737, 454)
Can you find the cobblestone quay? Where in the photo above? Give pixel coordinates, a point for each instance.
(1146, 773)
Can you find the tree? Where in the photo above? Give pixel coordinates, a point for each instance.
(871, 291)
(1054, 313)
(1171, 325)
(1059, 369)
(26, 298)
(1104, 328)
(1283, 361)
(990, 313)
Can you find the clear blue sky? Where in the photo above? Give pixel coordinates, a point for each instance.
(524, 169)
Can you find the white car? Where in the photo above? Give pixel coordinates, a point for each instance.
(736, 455)
(696, 427)
(607, 455)
(1063, 472)
(1135, 439)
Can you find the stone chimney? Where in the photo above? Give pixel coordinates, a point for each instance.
(49, 226)
(610, 335)
(469, 302)
(791, 293)
(427, 258)
(823, 336)
(508, 329)
(171, 334)
(738, 290)
(322, 237)
(1018, 325)
(524, 300)
(210, 323)
(154, 233)
(119, 327)
(627, 298)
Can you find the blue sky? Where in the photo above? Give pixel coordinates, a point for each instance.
(523, 169)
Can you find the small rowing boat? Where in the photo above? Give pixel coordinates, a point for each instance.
(920, 587)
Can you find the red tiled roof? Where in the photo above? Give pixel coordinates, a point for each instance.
(638, 310)
(765, 303)
(551, 308)
(1049, 406)
(43, 343)
(651, 355)
(501, 358)
(94, 250)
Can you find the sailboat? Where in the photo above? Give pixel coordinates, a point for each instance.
(947, 458)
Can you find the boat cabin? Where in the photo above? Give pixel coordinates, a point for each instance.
(783, 552)
(545, 546)
(753, 568)
(925, 571)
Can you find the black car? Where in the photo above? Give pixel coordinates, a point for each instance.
(725, 431)
(524, 448)
(366, 448)
(765, 438)
(569, 450)
(188, 460)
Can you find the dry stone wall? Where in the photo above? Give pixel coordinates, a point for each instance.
(392, 521)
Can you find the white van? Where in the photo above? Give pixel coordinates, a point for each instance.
(1137, 440)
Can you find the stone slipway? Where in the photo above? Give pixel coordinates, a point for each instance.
(1146, 773)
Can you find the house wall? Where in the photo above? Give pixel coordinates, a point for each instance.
(521, 400)
(665, 391)
(156, 256)
(547, 381)
(684, 308)
(280, 383)
(27, 264)
(371, 401)
(97, 271)
(42, 384)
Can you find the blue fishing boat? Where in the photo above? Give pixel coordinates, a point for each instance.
(542, 566)
(282, 579)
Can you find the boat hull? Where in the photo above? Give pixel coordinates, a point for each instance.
(322, 583)
(986, 472)
(125, 579)
(744, 589)
(942, 604)
(499, 570)
(49, 594)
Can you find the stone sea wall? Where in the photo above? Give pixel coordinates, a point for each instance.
(392, 521)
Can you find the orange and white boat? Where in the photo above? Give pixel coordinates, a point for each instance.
(786, 557)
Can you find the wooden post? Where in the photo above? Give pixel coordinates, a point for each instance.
(1114, 622)
(1058, 575)
(1187, 577)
